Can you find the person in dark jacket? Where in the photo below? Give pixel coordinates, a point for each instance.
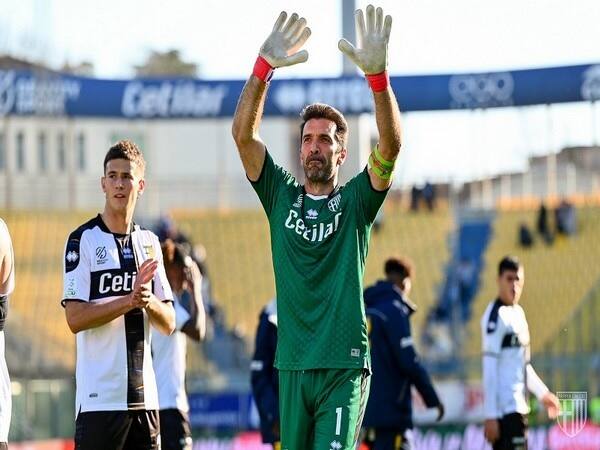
(264, 375)
(396, 367)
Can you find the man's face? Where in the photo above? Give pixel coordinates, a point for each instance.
(122, 183)
(510, 286)
(320, 153)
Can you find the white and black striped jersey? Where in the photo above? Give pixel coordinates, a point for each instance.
(5, 396)
(114, 362)
(507, 370)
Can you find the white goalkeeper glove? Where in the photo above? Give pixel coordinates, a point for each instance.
(281, 47)
(370, 54)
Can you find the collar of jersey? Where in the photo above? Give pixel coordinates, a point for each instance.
(316, 197)
(105, 228)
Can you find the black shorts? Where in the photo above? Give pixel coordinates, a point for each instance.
(175, 429)
(513, 433)
(117, 430)
(388, 439)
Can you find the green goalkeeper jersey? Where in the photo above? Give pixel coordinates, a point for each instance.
(319, 247)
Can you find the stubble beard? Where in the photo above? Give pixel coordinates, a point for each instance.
(319, 175)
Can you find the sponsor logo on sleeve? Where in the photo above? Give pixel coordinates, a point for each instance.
(71, 288)
(299, 200)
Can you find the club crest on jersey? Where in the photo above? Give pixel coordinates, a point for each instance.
(299, 200)
(334, 203)
(101, 255)
(312, 214)
(149, 251)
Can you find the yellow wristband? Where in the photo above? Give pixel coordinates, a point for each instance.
(380, 166)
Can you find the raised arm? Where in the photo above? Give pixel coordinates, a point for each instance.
(370, 55)
(279, 50)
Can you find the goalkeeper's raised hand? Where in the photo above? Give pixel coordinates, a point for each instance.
(370, 53)
(288, 36)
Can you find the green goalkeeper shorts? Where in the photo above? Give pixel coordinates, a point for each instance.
(322, 409)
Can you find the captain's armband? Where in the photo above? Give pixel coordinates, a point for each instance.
(379, 166)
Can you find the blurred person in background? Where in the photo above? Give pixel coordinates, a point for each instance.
(7, 285)
(264, 376)
(167, 228)
(388, 419)
(169, 352)
(115, 288)
(507, 370)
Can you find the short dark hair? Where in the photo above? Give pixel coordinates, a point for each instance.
(323, 111)
(509, 264)
(401, 266)
(126, 149)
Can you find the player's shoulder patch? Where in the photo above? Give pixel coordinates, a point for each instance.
(72, 253)
(73, 247)
(492, 323)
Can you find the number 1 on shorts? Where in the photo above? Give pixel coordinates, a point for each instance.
(338, 421)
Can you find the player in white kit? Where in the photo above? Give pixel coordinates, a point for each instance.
(507, 370)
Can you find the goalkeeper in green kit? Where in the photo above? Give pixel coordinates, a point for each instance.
(320, 236)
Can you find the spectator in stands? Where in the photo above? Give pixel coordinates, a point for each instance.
(566, 221)
(169, 352)
(7, 285)
(115, 287)
(428, 194)
(543, 227)
(264, 376)
(415, 198)
(525, 236)
(507, 370)
(396, 366)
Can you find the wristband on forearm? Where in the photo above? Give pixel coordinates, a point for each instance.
(379, 82)
(381, 167)
(262, 69)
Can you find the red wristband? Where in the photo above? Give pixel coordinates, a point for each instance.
(379, 82)
(262, 69)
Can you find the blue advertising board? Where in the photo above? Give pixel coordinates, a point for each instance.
(26, 93)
